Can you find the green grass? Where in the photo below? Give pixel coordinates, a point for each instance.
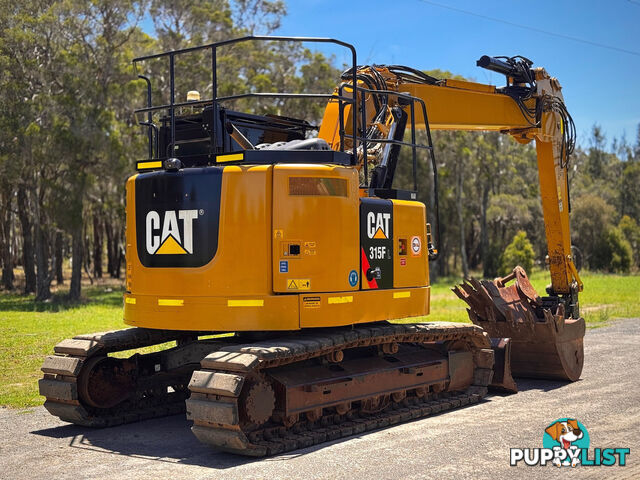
(28, 331)
(604, 297)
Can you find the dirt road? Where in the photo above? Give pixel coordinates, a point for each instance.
(472, 442)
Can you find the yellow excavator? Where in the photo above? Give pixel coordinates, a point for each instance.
(274, 255)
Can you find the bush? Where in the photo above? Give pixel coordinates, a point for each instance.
(591, 219)
(518, 252)
(618, 249)
(631, 232)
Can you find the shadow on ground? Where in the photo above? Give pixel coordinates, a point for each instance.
(169, 439)
(166, 439)
(59, 302)
(525, 384)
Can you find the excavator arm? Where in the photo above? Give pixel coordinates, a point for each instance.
(459, 105)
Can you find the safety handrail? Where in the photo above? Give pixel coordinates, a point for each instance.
(214, 79)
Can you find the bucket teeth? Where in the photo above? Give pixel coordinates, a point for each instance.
(467, 292)
(543, 343)
(492, 301)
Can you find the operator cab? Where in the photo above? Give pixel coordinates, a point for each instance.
(235, 132)
(194, 133)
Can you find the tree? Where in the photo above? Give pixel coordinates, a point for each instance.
(463, 155)
(5, 236)
(28, 263)
(487, 156)
(28, 47)
(518, 253)
(68, 139)
(596, 163)
(258, 17)
(630, 190)
(591, 219)
(67, 136)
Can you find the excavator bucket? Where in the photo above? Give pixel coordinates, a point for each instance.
(541, 343)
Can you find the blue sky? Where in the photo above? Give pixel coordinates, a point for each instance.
(599, 85)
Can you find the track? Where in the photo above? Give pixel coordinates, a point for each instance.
(123, 390)
(242, 397)
(231, 390)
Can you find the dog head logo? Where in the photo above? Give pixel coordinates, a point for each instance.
(566, 434)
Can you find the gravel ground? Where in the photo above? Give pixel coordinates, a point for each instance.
(471, 442)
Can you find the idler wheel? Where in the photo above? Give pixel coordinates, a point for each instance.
(104, 382)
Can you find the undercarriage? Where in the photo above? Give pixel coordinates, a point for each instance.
(274, 395)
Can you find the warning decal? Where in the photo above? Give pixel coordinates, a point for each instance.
(416, 246)
(311, 302)
(298, 284)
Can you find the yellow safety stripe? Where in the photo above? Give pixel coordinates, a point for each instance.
(232, 157)
(347, 299)
(401, 294)
(170, 302)
(245, 303)
(145, 165)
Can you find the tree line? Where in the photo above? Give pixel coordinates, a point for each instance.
(491, 213)
(68, 141)
(68, 138)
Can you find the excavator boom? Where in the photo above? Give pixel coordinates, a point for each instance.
(459, 105)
